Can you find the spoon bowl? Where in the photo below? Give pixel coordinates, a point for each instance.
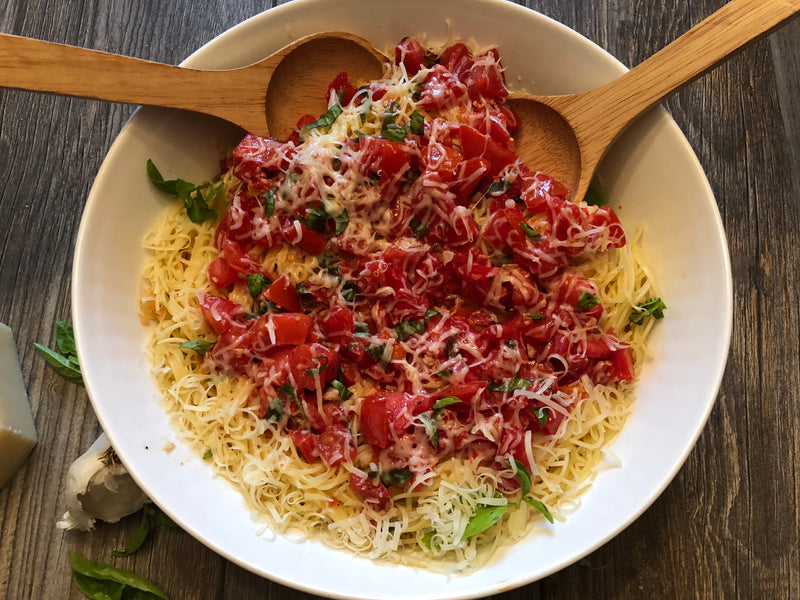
(264, 98)
(567, 136)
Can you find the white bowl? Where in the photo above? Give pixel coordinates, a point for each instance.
(653, 178)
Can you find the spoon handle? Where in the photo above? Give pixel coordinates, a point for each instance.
(725, 32)
(49, 67)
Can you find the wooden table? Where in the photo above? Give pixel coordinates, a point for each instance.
(729, 524)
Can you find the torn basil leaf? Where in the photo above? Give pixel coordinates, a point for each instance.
(405, 329)
(327, 118)
(105, 582)
(198, 346)
(257, 283)
(652, 307)
(341, 221)
(396, 477)
(511, 385)
(484, 517)
(540, 506)
(445, 401)
(417, 125)
(344, 392)
(587, 301)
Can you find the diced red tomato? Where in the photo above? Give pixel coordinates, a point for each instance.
(336, 444)
(306, 444)
(284, 294)
(220, 313)
(413, 56)
(289, 329)
(371, 491)
(622, 364)
(221, 274)
(342, 87)
(299, 234)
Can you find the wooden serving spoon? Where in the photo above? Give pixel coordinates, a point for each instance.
(265, 98)
(566, 136)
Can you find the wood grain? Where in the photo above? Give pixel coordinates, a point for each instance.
(729, 524)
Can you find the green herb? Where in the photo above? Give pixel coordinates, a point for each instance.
(417, 228)
(287, 390)
(257, 283)
(444, 374)
(431, 430)
(540, 506)
(341, 221)
(65, 361)
(450, 346)
(530, 231)
(427, 538)
(349, 291)
(366, 108)
(275, 412)
(362, 329)
(396, 477)
(327, 118)
(375, 351)
(317, 218)
(445, 401)
(104, 582)
(652, 307)
(394, 132)
(430, 314)
(484, 517)
(150, 515)
(416, 95)
(208, 454)
(405, 329)
(536, 317)
(511, 385)
(322, 361)
(197, 206)
(344, 393)
(586, 301)
(498, 187)
(307, 299)
(594, 198)
(417, 123)
(410, 177)
(524, 478)
(199, 346)
(541, 414)
(269, 203)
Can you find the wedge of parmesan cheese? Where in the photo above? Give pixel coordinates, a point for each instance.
(17, 433)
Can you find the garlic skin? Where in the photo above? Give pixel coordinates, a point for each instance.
(99, 487)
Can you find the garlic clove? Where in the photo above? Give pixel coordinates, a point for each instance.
(99, 487)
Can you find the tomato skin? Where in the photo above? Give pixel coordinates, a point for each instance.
(339, 325)
(306, 444)
(305, 359)
(487, 75)
(291, 329)
(335, 444)
(375, 421)
(284, 294)
(220, 313)
(221, 274)
(458, 60)
(442, 90)
(299, 234)
(342, 87)
(371, 491)
(622, 364)
(412, 55)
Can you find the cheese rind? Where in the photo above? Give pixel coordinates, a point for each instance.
(17, 431)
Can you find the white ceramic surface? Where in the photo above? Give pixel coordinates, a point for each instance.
(653, 178)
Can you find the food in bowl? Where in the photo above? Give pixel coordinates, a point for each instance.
(395, 336)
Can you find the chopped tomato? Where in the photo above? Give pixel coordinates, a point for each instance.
(622, 364)
(284, 294)
(301, 235)
(413, 56)
(371, 491)
(342, 88)
(220, 313)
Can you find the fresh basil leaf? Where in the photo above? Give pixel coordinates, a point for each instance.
(349, 291)
(405, 329)
(444, 374)
(511, 385)
(431, 430)
(317, 218)
(652, 307)
(287, 390)
(530, 231)
(322, 361)
(64, 366)
(142, 532)
(524, 478)
(341, 221)
(484, 517)
(275, 412)
(417, 125)
(103, 582)
(269, 203)
(396, 477)
(199, 346)
(394, 132)
(427, 539)
(197, 209)
(445, 401)
(65, 338)
(450, 346)
(587, 301)
(307, 299)
(430, 314)
(417, 227)
(327, 118)
(366, 108)
(257, 283)
(540, 506)
(498, 187)
(542, 414)
(375, 351)
(208, 454)
(410, 177)
(536, 317)
(362, 329)
(344, 392)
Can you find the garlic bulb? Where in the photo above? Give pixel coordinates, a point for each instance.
(99, 487)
